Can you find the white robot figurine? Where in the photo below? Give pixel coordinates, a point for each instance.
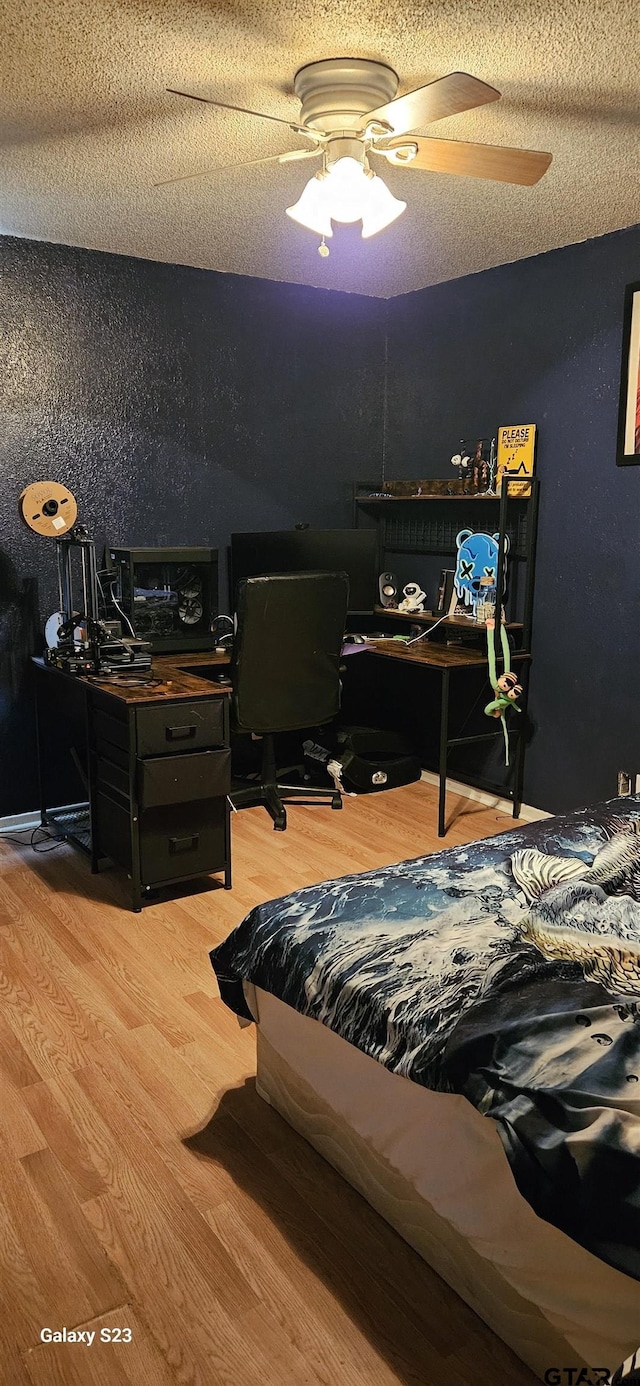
(413, 598)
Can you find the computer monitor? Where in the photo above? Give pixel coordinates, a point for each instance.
(351, 551)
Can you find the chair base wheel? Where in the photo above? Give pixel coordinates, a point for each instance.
(268, 790)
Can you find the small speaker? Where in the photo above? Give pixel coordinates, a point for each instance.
(388, 589)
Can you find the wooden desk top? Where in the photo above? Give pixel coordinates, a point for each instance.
(170, 669)
(176, 683)
(434, 656)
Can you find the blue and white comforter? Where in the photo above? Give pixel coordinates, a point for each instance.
(507, 970)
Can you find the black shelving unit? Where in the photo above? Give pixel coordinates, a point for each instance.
(427, 525)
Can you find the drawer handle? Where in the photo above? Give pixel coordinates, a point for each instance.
(180, 733)
(184, 844)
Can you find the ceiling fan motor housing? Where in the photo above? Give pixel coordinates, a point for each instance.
(336, 92)
(344, 147)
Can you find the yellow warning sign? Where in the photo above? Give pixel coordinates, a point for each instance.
(516, 457)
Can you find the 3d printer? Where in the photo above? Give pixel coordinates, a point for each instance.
(79, 639)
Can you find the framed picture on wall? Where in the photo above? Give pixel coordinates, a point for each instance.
(629, 416)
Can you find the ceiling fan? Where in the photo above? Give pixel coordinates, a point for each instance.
(350, 111)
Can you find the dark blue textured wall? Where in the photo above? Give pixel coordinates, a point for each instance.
(539, 341)
(178, 405)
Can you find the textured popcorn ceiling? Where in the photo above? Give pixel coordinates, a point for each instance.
(87, 128)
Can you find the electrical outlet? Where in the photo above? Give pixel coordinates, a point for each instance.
(625, 781)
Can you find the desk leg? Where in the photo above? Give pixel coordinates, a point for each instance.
(521, 746)
(91, 779)
(134, 816)
(39, 749)
(518, 773)
(444, 735)
(227, 847)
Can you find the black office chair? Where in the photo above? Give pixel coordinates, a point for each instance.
(285, 673)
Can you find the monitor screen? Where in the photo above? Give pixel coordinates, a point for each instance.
(351, 551)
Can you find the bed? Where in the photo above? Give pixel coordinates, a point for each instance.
(459, 1035)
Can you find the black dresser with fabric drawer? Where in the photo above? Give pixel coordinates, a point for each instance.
(155, 763)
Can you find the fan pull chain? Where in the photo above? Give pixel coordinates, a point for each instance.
(323, 249)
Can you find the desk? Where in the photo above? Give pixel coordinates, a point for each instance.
(445, 661)
(155, 763)
(157, 788)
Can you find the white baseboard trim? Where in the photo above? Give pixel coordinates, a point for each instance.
(25, 822)
(19, 822)
(527, 811)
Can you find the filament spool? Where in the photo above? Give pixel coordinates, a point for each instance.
(48, 508)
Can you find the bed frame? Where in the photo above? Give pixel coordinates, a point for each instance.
(551, 1301)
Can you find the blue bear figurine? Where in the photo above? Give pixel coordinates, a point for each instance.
(477, 566)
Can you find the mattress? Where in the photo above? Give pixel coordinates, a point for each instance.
(437, 1171)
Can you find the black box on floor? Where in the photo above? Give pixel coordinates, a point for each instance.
(369, 759)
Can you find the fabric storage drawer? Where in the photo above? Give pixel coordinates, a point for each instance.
(183, 779)
(188, 841)
(112, 777)
(180, 726)
(110, 731)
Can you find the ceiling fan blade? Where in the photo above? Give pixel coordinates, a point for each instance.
(503, 165)
(291, 155)
(446, 96)
(262, 115)
(288, 157)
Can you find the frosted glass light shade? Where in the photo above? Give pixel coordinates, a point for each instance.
(382, 208)
(346, 193)
(346, 190)
(311, 208)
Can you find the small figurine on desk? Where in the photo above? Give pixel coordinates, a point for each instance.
(480, 468)
(474, 466)
(462, 461)
(413, 598)
(493, 467)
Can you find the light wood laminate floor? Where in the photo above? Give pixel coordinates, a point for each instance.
(146, 1187)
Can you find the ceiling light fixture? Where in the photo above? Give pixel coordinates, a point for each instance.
(346, 191)
(350, 112)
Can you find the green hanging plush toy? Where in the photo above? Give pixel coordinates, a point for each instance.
(505, 686)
